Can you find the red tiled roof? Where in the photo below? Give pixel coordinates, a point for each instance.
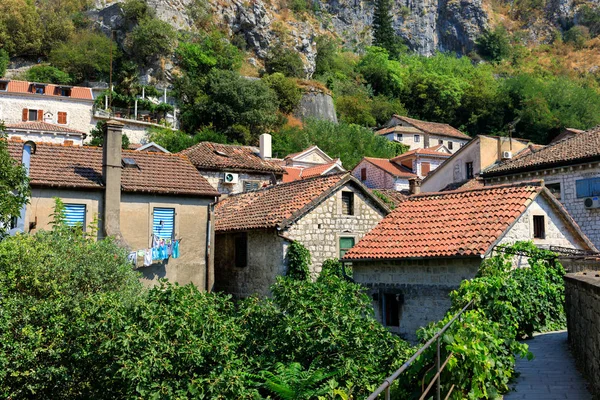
(279, 205)
(425, 152)
(434, 128)
(446, 224)
(43, 127)
(215, 156)
(581, 148)
(474, 183)
(393, 195)
(77, 92)
(398, 128)
(293, 174)
(391, 168)
(80, 167)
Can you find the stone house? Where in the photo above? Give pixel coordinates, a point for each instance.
(134, 196)
(235, 169)
(570, 169)
(422, 134)
(381, 173)
(308, 163)
(45, 132)
(327, 214)
(423, 161)
(432, 242)
(468, 162)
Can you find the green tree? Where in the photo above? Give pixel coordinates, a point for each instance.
(286, 61)
(14, 186)
(578, 35)
(494, 45)
(86, 56)
(47, 74)
(151, 38)
(135, 11)
(383, 31)
(288, 92)
(4, 61)
(97, 134)
(299, 262)
(21, 32)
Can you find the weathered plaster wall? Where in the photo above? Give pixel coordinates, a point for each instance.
(582, 305)
(379, 179)
(587, 219)
(445, 140)
(320, 230)
(215, 178)
(423, 284)
(41, 137)
(434, 163)
(266, 261)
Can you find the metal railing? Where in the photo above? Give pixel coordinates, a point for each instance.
(387, 383)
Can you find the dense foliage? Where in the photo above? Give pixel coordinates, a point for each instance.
(14, 186)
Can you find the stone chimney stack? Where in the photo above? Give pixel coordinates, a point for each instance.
(265, 146)
(414, 186)
(111, 172)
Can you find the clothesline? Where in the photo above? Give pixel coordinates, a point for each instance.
(162, 249)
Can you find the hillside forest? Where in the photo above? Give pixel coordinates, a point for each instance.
(537, 89)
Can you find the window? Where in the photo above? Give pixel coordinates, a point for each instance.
(399, 137)
(62, 117)
(3, 86)
(251, 185)
(347, 203)
(13, 222)
(163, 222)
(417, 138)
(554, 188)
(39, 89)
(588, 187)
(539, 227)
(450, 145)
(66, 92)
(346, 243)
(241, 250)
(425, 168)
(363, 174)
(440, 142)
(34, 115)
(469, 169)
(75, 215)
(391, 309)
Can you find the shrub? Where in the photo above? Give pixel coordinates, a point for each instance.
(577, 36)
(47, 74)
(151, 38)
(286, 61)
(136, 10)
(298, 262)
(590, 17)
(97, 134)
(288, 92)
(4, 61)
(494, 45)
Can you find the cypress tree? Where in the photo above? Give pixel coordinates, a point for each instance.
(383, 32)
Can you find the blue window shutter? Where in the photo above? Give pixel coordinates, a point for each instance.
(588, 187)
(75, 214)
(167, 216)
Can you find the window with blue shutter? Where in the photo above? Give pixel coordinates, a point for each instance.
(588, 187)
(75, 214)
(163, 222)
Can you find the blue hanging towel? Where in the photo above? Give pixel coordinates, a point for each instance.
(155, 253)
(163, 251)
(175, 252)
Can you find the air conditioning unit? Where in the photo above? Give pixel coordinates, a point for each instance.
(230, 177)
(506, 155)
(591, 202)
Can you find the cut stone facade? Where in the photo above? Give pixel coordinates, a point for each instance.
(319, 231)
(582, 305)
(378, 178)
(566, 178)
(215, 178)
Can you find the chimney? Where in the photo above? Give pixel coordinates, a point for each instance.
(111, 171)
(265, 146)
(28, 149)
(414, 186)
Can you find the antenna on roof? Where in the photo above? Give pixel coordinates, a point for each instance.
(110, 86)
(511, 128)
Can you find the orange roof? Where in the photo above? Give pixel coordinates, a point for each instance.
(398, 128)
(77, 92)
(295, 173)
(391, 168)
(279, 205)
(446, 224)
(55, 165)
(434, 128)
(425, 152)
(43, 127)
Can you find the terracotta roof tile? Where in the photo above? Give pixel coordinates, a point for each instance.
(398, 129)
(434, 128)
(215, 156)
(81, 167)
(583, 147)
(446, 224)
(474, 183)
(77, 92)
(43, 127)
(425, 152)
(293, 174)
(391, 168)
(395, 196)
(272, 206)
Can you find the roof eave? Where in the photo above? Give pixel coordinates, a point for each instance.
(537, 167)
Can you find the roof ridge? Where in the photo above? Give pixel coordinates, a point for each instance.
(533, 184)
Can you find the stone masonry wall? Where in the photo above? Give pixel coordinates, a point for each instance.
(423, 284)
(379, 179)
(215, 178)
(320, 230)
(582, 304)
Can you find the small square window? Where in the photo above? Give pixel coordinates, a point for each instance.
(39, 89)
(539, 227)
(347, 203)
(241, 250)
(440, 142)
(417, 138)
(33, 115)
(251, 185)
(346, 243)
(469, 169)
(399, 137)
(555, 189)
(3, 86)
(65, 92)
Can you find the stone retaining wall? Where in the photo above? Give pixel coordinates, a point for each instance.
(582, 304)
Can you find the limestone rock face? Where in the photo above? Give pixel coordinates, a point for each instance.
(318, 105)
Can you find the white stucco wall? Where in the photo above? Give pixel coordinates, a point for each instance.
(454, 169)
(446, 140)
